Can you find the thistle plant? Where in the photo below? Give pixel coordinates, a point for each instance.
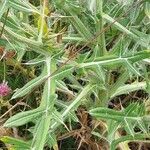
(78, 66)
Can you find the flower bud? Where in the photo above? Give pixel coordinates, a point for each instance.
(4, 89)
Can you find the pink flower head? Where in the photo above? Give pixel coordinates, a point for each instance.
(4, 89)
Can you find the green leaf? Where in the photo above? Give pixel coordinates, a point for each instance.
(126, 89)
(36, 61)
(3, 7)
(23, 6)
(23, 117)
(16, 143)
(129, 118)
(107, 113)
(137, 137)
(119, 26)
(147, 9)
(41, 132)
(22, 38)
(51, 140)
(78, 24)
(73, 105)
(29, 86)
(115, 60)
(48, 101)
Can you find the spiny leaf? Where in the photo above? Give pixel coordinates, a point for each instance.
(16, 143)
(23, 117)
(3, 7)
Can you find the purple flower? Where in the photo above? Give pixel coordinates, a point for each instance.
(4, 89)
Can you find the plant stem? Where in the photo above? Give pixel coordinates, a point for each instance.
(99, 27)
